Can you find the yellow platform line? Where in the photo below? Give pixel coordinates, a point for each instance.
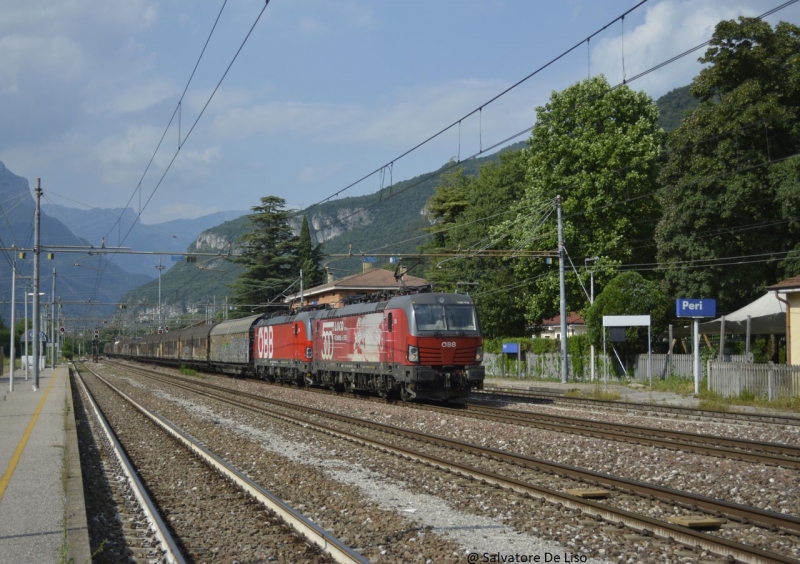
(21, 446)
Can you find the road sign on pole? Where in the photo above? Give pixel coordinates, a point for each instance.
(695, 308)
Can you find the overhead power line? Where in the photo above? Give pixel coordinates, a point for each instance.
(181, 142)
(450, 166)
(479, 109)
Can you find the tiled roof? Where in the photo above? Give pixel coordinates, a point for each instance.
(375, 279)
(572, 319)
(788, 284)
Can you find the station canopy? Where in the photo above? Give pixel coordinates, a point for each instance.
(767, 317)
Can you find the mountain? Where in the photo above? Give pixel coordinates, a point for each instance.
(364, 223)
(78, 283)
(96, 225)
(673, 107)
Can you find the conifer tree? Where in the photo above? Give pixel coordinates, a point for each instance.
(309, 257)
(268, 254)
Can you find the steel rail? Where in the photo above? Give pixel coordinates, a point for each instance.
(668, 530)
(726, 447)
(719, 416)
(168, 545)
(327, 542)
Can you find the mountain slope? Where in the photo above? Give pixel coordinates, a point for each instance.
(77, 273)
(390, 221)
(365, 222)
(170, 237)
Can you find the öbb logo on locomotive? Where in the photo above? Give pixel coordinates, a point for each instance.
(265, 342)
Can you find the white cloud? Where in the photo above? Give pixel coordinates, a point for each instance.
(121, 159)
(134, 97)
(27, 58)
(317, 174)
(356, 14)
(48, 16)
(330, 17)
(670, 28)
(414, 114)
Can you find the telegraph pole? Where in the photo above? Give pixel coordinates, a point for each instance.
(53, 322)
(13, 328)
(36, 251)
(563, 300)
(591, 302)
(26, 332)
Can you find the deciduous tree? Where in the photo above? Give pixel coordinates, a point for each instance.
(629, 294)
(466, 209)
(730, 223)
(597, 148)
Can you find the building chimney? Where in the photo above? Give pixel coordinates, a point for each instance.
(366, 266)
(329, 275)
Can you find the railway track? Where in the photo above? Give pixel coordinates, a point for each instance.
(771, 454)
(146, 536)
(333, 548)
(557, 397)
(367, 432)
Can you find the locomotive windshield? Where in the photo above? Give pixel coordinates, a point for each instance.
(435, 317)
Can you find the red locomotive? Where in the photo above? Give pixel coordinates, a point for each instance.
(412, 346)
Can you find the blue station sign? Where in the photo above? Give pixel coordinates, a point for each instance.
(690, 307)
(511, 348)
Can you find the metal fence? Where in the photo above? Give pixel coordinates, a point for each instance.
(772, 381)
(548, 366)
(537, 366)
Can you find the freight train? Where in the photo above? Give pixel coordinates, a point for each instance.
(417, 345)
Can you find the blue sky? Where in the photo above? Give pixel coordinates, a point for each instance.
(322, 93)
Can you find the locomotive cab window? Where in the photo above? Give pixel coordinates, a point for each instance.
(435, 317)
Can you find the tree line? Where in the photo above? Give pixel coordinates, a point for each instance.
(710, 210)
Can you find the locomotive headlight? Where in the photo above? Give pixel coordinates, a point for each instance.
(479, 354)
(413, 354)
(309, 353)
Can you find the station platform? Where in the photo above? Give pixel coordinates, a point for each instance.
(42, 511)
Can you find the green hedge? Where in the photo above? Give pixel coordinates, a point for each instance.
(577, 347)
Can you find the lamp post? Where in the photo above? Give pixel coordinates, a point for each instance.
(586, 262)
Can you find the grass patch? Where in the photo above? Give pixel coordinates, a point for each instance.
(186, 371)
(601, 393)
(715, 402)
(573, 393)
(674, 384)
